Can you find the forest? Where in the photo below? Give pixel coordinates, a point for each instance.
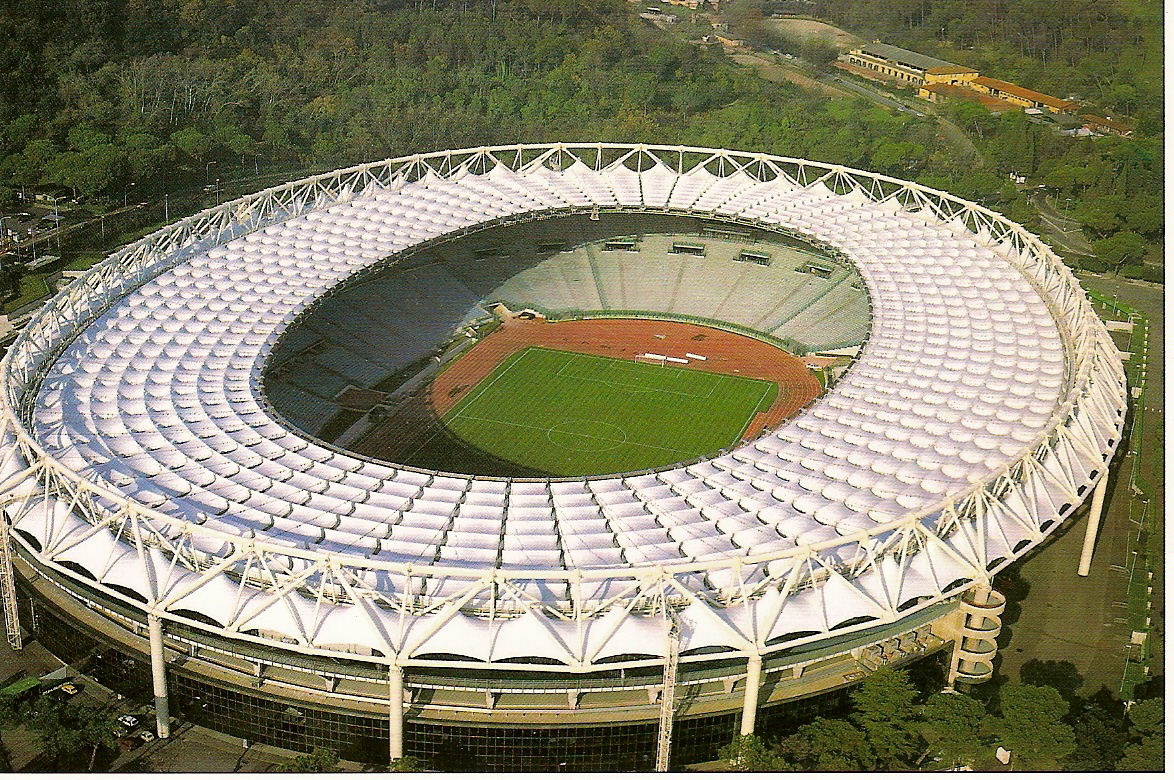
(118, 99)
(892, 726)
(148, 91)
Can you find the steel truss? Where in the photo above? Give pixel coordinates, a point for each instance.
(174, 559)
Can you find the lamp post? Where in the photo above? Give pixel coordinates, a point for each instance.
(124, 189)
(217, 189)
(1066, 202)
(166, 210)
(56, 222)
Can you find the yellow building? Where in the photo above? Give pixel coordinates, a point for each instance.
(1020, 96)
(940, 93)
(909, 66)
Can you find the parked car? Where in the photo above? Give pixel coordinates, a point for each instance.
(64, 691)
(146, 735)
(130, 721)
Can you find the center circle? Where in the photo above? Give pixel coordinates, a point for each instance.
(587, 435)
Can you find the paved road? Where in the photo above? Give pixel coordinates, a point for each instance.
(771, 68)
(1064, 233)
(872, 94)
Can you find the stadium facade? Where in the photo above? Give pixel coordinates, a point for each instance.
(167, 526)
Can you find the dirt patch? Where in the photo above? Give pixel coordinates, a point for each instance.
(808, 29)
(770, 70)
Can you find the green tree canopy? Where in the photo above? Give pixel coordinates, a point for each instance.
(1148, 716)
(64, 730)
(1120, 248)
(885, 713)
(406, 764)
(1031, 725)
(748, 753)
(826, 745)
(951, 724)
(321, 760)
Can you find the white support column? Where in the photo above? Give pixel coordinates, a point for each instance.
(1094, 522)
(159, 677)
(395, 711)
(750, 695)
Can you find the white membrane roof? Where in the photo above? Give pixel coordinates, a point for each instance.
(160, 400)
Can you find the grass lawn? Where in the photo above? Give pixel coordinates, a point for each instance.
(32, 288)
(568, 414)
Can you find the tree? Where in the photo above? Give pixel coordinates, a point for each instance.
(885, 714)
(1148, 717)
(748, 753)
(1119, 248)
(1032, 727)
(64, 731)
(826, 745)
(10, 712)
(1146, 753)
(1100, 741)
(1101, 216)
(321, 760)
(406, 764)
(1145, 215)
(192, 142)
(951, 725)
(973, 116)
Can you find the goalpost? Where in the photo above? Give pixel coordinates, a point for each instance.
(650, 358)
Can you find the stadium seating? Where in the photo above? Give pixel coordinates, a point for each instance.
(180, 421)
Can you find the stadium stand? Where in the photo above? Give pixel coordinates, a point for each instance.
(896, 492)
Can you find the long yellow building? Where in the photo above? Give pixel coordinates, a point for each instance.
(910, 66)
(1021, 96)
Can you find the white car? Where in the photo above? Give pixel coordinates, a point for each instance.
(130, 721)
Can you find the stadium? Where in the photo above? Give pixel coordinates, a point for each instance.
(552, 456)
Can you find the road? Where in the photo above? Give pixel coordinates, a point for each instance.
(768, 67)
(771, 67)
(1063, 232)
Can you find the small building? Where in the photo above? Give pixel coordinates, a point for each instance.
(1021, 96)
(908, 66)
(1102, 124)
(940, 93)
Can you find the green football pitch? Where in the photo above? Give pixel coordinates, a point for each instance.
(565, 414)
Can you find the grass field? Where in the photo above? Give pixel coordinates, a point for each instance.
(566, 414)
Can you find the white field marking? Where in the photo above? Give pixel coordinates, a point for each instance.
(754, 411)
(636, 387)
(548, 429)
(509, 365)
(614, 442)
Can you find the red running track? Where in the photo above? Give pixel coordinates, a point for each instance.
(726, 353)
